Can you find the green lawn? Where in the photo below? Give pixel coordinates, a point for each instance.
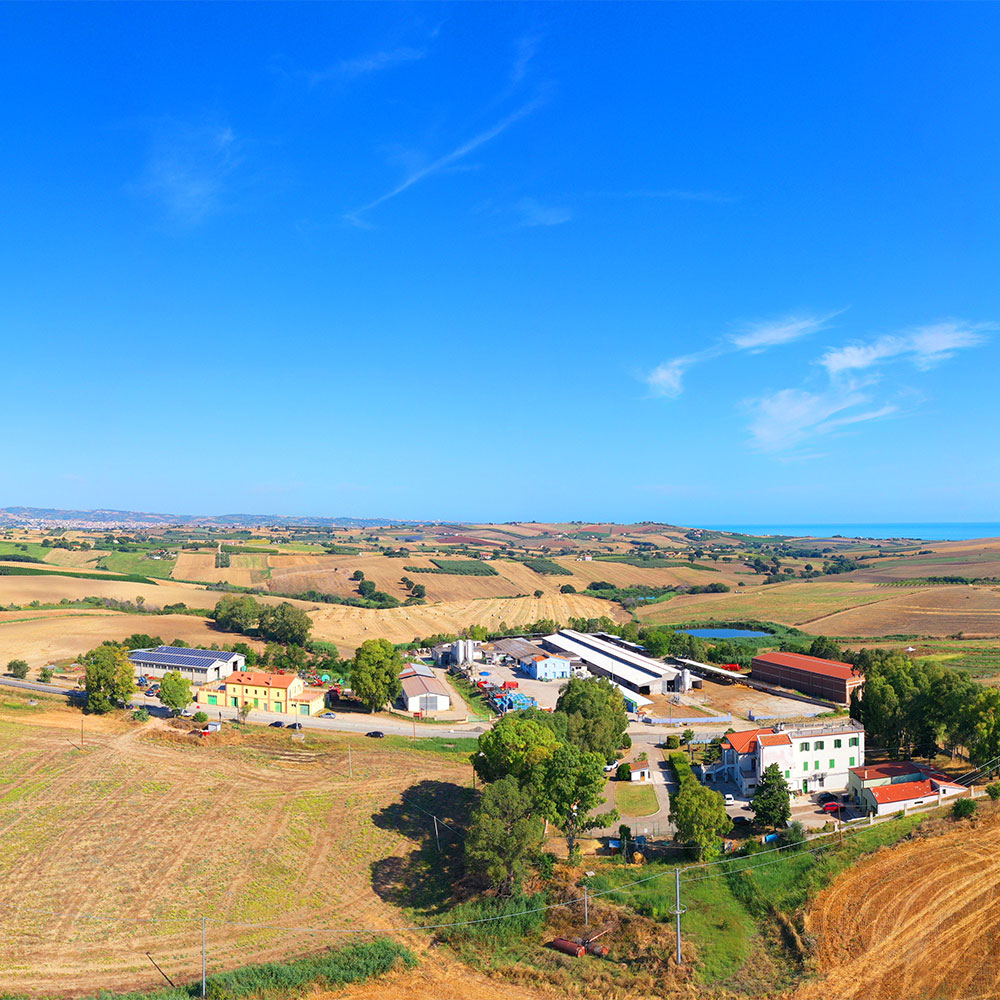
(635, 799)
(24, 549)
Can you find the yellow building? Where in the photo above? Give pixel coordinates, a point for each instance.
(281, 693)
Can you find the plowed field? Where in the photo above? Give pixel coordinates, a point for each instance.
(918, 921)
(120, 849)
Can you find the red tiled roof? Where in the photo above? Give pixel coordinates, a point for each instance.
(744, 742)
(895, 768)
(261, 679)
(904, 791)
(812, 664)
(774, 740)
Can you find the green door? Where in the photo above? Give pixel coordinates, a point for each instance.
(805, 786)
(213, 699)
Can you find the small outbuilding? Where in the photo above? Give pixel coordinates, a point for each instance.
(423, 694)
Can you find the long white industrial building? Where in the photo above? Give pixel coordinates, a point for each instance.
(632, 671)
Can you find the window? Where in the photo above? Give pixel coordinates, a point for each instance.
(837, 744)
(818, 745)
(832, 765)
(788, 774)
(803, 747)
(815, 765)
(805, 765)
(851, 763)
(853, 741)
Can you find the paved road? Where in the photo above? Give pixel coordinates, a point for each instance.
(348, 722)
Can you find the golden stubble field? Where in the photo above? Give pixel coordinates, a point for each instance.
(120, 849)
(918, 920)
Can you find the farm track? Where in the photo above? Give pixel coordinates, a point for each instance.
(917, 921)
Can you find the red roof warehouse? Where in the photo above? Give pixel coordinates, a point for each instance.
(809, 674)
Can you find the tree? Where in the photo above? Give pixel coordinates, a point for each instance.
(237, 613)
(18, 668)
(243, 712)
(567, 786)
(596, 720)
(110, 677)
(503, 835)
(45, 674)
(201, 717)
(366, 588)
(375, 673)
(963, 808)
(771, 803)
(699, 815)
(140, 640)
(567, 588)
(538, 593)
(357, 575)
(286, 624)
(419, 590)
(514, 746)
(175, 691)
(687, 736)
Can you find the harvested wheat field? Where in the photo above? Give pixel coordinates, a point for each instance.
(973, 612)
(349, 627)
(121, 848)
(920, 920)
(43, 637)
(200, 566)
(794, 603)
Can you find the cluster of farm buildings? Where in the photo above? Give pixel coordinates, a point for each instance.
(829, 757)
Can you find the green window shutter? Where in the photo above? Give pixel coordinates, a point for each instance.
(788, 774)
(805, 765)
(832, 765)
(852, 763)
(815, 765)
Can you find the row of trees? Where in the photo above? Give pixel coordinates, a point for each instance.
(543, 767)
(110, 680)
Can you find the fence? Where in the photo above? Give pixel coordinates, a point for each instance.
(727, 718)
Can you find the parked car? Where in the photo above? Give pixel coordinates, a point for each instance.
(328, 715)
(608, 768)
(832, 807)
(828, 797)
(730, 799)
(375, 734)
(742, 820)
(277, 725)
(294, 725)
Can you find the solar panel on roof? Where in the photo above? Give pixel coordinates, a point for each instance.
(179, 656)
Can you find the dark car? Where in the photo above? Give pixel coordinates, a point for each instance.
(828, 797)
(742, 820)
(277, 725)
(375, 734)
(294, 725)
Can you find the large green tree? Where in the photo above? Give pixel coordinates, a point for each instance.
(596, 720)
(285, 623)
(175, 691)
(18, 668)
(237, 613)
(771, 803)
(110, 677)
(567, 786)
(503, 835)
(699, 816)
(375, 673)
(515, 745)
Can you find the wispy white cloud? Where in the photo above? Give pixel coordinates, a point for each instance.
(446, 161)
(785, 419)
(533, 213)
(667, 378)
(526, 48)
(770, 333)
(187, 169)
(373, 62)
(924, 346)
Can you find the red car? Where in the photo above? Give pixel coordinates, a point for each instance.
(832, 807)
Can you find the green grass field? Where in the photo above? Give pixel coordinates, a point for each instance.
(136, 562)
(635, 799)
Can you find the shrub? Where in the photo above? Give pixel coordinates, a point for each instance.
(993, 791)
(545, 864)
(794, 833)
(18, 668)
(963, 808)
(624, 773)
(45, 675)
(673, 742)
(200, 717)
(567, 588)
(140, 715)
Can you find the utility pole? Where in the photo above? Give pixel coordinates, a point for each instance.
(436, 834)
(81, 733)
(203, 956)
(586, 906)
(678, 910)
(350, 765)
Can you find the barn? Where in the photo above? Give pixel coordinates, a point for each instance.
(422, 691)
(827, 679)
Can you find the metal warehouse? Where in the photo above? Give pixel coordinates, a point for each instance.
(639, 674)
(827, 679)
(200, 666)
(422, 691)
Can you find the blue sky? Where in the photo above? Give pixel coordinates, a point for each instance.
(702, 264)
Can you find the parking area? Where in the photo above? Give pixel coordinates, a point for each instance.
(546, 693)
(806, 809)
(741, 700)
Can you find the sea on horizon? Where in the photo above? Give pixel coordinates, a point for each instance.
(926, 531)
